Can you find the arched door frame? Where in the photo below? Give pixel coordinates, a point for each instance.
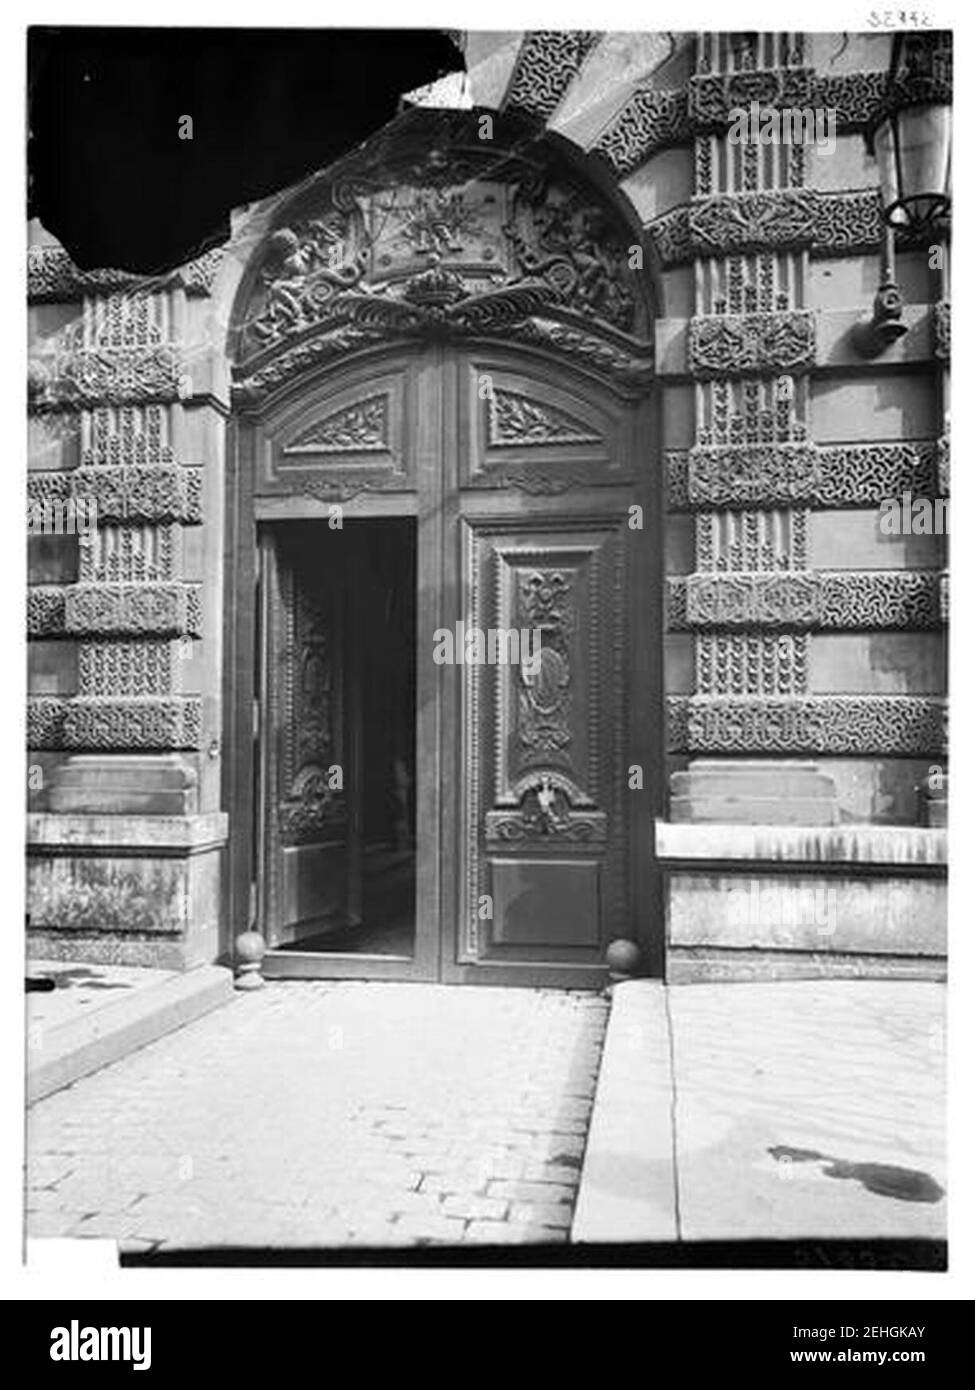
(611, 363)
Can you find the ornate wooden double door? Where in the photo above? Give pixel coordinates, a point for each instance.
(457, 755)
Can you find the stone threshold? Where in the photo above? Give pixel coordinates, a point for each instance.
(65, 1051)
(714, 842)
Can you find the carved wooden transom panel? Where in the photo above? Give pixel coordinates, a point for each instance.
(349, 440)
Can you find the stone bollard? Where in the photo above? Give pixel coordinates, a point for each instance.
(623, 959)
(249, 950)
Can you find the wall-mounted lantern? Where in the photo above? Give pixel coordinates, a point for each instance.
(911, 135)
(911, 139)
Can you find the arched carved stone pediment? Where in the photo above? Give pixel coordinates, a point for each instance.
(445, 236)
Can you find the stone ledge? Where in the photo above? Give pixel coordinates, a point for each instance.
(794, 844)
(627, 1189)
(155, 835)
(84, 1045)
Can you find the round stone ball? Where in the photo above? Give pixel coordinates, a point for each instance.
(250, 947)
(623, 956)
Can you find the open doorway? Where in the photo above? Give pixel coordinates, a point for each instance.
(338, 754)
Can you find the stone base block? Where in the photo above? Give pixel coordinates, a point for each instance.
(122, 784)
(754, 792)
(125, 890)
(727, 925)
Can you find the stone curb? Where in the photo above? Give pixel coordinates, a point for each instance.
(77, 1048)
(627, 1190)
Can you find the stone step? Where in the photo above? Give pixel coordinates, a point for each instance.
(755, 810)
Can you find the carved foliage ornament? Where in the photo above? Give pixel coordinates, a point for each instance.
(444, 244)
(829, 224)
(736, 344)
(514, 419)
(546, 605)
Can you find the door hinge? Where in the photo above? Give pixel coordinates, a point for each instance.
(257, 717)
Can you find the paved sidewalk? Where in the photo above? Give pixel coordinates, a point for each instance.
(791, 1109)
(330, 1114)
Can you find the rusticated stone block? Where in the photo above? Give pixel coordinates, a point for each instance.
(876, 917)
(845, 600)
(45, 610)
(125, 890)
(859, 724)
(163, 722)
(815, 475)
(162, 784)
(146, 493)
(728, 345)
(171, 609)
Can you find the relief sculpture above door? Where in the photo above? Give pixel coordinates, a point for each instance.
(445, 234)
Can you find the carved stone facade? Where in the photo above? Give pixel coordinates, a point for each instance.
(618, 237)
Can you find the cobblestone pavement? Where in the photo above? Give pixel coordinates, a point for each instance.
(330, 1114)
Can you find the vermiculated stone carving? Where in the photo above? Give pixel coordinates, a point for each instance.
(826, 724)
(45, 722)
(128, 668)
(106, 375)
(138, 722)
(828, 224)
(45, 610)
(845, 475)
(735, 344)
(172, 609)
(547, 63)
(114, 724)
(53, 277)
(141, 494)
(712, 97)
(649, 121)
(842, 599)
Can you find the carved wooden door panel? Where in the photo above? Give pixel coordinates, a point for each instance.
(310, 869)
(545, 465)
